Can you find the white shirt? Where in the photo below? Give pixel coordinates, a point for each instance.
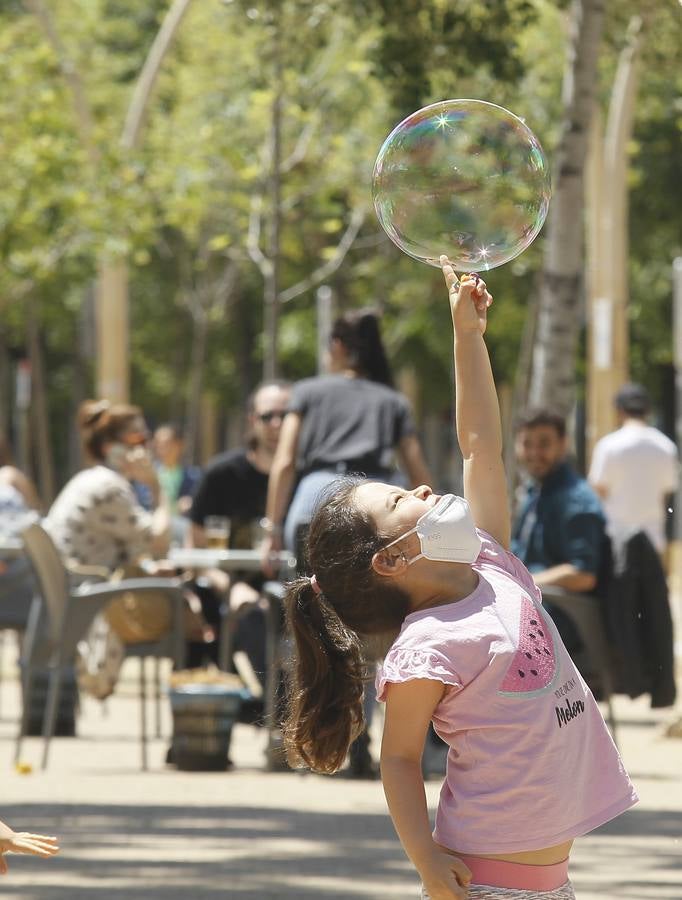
(637, 466)
(96, 520)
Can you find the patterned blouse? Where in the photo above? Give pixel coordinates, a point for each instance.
(96, 520)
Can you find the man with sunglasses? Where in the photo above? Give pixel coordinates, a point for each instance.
(234, 484)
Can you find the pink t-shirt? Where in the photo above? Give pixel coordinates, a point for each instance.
(531, 763)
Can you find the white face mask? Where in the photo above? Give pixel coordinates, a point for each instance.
(446, 532)
(116, 456)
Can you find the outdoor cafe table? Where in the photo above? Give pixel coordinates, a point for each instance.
(238, 561)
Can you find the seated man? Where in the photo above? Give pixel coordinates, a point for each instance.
(234, 485)
(559, 532)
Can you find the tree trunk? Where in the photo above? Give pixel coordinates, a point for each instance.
(520, 388)
(197, 362)
(5, 390)
(607, 204)
(112, 288)
(111, 324)
(42, 445)
(271, 286)
(560, 303)
(144, 86)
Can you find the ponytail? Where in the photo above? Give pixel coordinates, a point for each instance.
(338, 619)
(325, 711)
(359, 332)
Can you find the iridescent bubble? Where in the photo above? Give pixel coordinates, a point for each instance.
(465, 178)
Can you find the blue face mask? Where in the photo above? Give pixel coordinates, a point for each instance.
(446, 532)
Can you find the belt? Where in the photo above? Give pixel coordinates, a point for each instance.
(365, 465)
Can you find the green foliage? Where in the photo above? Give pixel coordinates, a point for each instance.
(42, 205)
(655, 222)
(424, 44)
(183, 207)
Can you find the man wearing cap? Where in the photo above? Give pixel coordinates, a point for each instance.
(634, 469)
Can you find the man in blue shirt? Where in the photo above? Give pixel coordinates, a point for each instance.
(559, 532)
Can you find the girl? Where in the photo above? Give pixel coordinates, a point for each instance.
(531, 765)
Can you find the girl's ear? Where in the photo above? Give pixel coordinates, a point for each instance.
(389, 564)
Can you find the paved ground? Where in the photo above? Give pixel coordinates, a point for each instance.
(250, 835)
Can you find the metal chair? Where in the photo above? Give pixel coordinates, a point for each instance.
(16, 592)
(60, 617)
(584, 611)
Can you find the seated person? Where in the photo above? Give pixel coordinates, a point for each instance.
(96, 519)
(14, 478)
(234, 484)
(559, 532)
(19, 506)
(178, 480)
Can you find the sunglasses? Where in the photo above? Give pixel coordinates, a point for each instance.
(135, 439)
(267, 417)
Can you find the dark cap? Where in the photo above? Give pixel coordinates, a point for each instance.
(633, 399)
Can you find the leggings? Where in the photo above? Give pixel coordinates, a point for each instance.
(482, 892)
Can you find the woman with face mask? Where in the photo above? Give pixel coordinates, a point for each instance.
(531, 765)
(96, 519)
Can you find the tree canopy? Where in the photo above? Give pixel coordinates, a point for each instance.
(191, 207)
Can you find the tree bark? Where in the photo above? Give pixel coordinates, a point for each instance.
(196, 382)
(608, 245)
(271, 285)
(139, 102)
(560, 312)
(5, 390)
(112, 288)
(42, 447)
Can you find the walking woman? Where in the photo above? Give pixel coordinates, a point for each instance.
(351, 420)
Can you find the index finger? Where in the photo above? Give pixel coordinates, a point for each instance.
(450, 275)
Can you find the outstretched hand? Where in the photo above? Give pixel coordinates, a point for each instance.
(24, 842)
(469, 299)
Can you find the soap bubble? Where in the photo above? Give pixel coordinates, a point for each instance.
(465, 178)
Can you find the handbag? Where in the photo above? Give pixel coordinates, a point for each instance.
(138, 617)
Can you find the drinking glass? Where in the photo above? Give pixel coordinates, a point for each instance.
(217, 529)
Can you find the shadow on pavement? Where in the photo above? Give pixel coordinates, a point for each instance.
(623, 852)
(259, 853)
(244, 853)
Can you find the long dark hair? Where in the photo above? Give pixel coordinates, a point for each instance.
(359, 332)
(326, 680)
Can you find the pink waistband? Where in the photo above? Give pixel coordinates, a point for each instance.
(519, 876)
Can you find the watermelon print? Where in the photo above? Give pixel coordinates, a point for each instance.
(534, 668)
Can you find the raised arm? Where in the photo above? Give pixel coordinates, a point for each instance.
(479, 430)
(280, 487)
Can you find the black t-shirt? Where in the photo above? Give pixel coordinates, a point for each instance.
(230, 486)
(345, 419)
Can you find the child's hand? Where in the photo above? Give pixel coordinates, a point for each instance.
(446, 877)
(469, 300)
(24, 842)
